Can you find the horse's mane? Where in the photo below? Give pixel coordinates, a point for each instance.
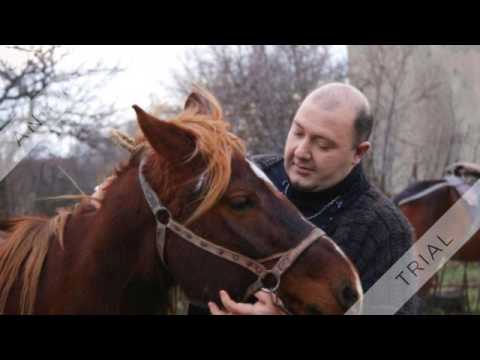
(26, 246)
(216, 145)
(414, 189)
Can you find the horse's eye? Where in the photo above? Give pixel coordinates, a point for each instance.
(240, 203)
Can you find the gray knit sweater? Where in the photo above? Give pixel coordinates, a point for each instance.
(368, 227)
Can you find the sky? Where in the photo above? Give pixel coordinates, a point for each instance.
(147, 72)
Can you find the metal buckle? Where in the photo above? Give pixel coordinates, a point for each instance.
(163, 216)
(265, 287)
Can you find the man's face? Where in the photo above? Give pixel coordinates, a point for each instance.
(320, 152)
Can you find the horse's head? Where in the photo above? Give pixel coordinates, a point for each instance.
(199, 171)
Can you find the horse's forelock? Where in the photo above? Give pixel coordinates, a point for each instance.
(217, 147)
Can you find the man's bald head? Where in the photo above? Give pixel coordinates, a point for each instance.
(334, 96)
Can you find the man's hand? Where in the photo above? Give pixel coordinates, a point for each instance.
(264, 306)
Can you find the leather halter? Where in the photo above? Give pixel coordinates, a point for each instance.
(164, 221)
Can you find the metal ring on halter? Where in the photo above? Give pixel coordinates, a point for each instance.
(163, 216)
(272, 289)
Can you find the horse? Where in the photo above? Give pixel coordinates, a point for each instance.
(424, 202)
(186, 209)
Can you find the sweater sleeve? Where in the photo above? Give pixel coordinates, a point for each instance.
(392, 243)
(374, 241)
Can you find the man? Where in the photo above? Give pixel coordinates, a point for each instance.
(321, 173)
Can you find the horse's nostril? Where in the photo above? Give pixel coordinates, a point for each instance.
(348, 296)
(313, 310)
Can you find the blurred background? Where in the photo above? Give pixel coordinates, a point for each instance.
(58, 104)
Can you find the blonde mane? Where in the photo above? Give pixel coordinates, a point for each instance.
(216, 144)
(27, 246)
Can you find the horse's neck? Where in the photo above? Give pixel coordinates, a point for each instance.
(130, 237)
(117, 260)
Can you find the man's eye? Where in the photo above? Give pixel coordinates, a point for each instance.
(240, 203)
(323, 145)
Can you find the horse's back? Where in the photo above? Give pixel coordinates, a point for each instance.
(429, 201)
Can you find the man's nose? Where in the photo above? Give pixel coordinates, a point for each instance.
(303, 151)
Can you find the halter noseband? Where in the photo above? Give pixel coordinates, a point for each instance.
(164, 221)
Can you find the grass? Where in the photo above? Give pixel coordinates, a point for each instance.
(452, 287)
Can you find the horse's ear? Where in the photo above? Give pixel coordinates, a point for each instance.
(166, 139)
(198, 103)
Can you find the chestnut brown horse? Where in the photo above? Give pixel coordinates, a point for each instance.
(186, 209)
(424, 202)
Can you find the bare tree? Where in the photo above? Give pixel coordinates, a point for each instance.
(462, 136)
(41, 91)
(385, 74)
(40, 94)
(259, 86)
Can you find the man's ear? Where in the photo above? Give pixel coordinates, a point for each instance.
(360, 151)
(168, 140)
